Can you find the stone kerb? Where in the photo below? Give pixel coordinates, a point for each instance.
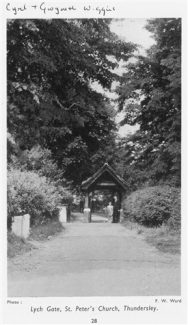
(21, 225)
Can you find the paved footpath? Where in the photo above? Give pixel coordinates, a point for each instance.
(96, 259)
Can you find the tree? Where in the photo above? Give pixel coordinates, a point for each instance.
(37, 160)
(150, 94)
(51, 66)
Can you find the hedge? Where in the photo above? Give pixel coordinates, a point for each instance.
(153, 206)
(27, 192)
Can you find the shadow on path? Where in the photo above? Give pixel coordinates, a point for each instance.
(95, 218)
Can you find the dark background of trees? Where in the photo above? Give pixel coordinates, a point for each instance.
(51, 65)
(151, 89)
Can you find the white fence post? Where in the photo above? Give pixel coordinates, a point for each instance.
(26, 225)
(21, 225)
(63, 214)
(87, 214)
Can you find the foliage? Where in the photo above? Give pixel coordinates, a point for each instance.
(167, 241)
(127, 165)
(30, 193)
(51, 67)
(150, 95)
(12, 148)
(174, 222)
(45, 230)
(164, 238)
(152, 206)
(108, 152)
(38, 160)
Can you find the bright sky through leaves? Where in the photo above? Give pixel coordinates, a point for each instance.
(132, 30)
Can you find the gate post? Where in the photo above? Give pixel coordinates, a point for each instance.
(87, 210)
(21, 225)
(68, 212)
(63, 214)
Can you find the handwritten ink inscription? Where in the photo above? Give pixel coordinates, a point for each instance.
(45, 9)
(101, 10)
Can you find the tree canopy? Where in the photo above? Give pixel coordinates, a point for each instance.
(51, 65)
(52, 104)
(150, 95)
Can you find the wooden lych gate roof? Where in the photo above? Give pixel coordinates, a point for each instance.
(105, 177)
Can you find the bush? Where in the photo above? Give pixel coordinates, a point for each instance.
(30, 193)
(153, 206)
(38, 160)
(174, 222)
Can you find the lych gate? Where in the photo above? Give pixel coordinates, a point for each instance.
(104, 179)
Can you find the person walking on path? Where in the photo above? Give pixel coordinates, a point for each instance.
(109, 210)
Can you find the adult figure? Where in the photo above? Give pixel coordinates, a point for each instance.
(82, 204)
(116, 209)
(109, 211)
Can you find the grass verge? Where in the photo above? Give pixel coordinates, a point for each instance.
(46, 230)
(19, 246)
(163, 238)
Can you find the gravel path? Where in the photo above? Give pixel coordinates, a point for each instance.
(96, 259)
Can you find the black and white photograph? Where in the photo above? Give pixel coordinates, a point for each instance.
(94, 157)
(94, 219)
